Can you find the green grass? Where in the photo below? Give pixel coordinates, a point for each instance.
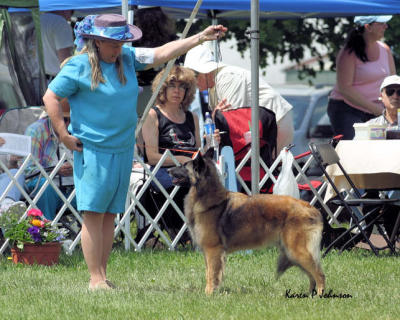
(170, 285)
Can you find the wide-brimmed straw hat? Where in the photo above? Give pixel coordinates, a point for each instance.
(112, 27)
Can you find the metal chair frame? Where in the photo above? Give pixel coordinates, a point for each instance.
(326, 155)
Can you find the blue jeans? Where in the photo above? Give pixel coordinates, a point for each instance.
(343, 116)
(14, 192)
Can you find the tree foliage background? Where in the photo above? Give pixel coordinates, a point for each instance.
(294, 38)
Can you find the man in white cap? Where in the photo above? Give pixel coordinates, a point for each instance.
(390, 95)
(230, 88)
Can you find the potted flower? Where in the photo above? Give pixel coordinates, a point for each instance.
(33, 239)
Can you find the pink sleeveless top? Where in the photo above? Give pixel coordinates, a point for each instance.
(368, 77)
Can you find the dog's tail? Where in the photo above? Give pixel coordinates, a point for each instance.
(314, 243)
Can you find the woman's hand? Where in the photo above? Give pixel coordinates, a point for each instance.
(212, 33)
(13, 162)
(71, 142)
(217, 136)
(66, 170)
(222, 106)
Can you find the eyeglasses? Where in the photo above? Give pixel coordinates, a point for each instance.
(391, 91)
(180, 86)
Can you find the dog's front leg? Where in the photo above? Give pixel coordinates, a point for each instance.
(215, 261)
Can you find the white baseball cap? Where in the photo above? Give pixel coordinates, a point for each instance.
(394, 79)
(201, 59)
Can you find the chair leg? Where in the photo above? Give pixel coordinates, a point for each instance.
(383, 233)
(374, 249)
(395, 230)
(364, 235)
(331, 245)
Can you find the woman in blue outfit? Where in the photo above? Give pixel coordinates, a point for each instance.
(100, 83)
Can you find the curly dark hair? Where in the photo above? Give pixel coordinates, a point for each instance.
(177, 74)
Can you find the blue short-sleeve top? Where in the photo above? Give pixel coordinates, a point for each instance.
(103, 119)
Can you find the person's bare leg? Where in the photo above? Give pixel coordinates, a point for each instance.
(108, 238)
(92, 245)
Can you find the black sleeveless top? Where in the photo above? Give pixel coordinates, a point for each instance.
(176, 136)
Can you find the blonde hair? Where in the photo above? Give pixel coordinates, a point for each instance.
(94, 60)
(177, 74)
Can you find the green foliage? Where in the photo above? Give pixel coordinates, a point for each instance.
(34, 229)
(293, 38)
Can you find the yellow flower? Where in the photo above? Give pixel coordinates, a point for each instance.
(37, 223)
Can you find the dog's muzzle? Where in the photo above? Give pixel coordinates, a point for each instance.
(180, 176)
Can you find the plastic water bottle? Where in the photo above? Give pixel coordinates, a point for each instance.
(209, 128)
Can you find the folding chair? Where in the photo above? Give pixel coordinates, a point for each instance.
(312, 185)
(16, 120)
(236, 123)
(325, 155)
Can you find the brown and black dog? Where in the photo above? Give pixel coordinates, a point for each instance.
(221, 222)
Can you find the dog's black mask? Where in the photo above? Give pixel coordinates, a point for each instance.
(180, 176)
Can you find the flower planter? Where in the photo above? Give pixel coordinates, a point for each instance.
(44, 254)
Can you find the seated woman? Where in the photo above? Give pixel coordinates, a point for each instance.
(47, 149)
(169, 124)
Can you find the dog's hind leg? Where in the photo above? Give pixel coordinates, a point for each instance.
(215, 263)
(305, 252)
(284, 263)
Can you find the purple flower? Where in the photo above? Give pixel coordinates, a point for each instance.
(35, 234)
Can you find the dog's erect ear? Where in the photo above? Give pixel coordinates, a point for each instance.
(198, 162)
(209, 153)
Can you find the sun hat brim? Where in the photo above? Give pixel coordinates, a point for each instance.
(362, 20)
(133, 30)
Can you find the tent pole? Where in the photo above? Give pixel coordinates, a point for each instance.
(124, 9)
(214, 21)
(254, 52)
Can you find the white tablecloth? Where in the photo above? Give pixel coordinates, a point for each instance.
(371, 164)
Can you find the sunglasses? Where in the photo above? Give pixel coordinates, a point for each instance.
(391, 91)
